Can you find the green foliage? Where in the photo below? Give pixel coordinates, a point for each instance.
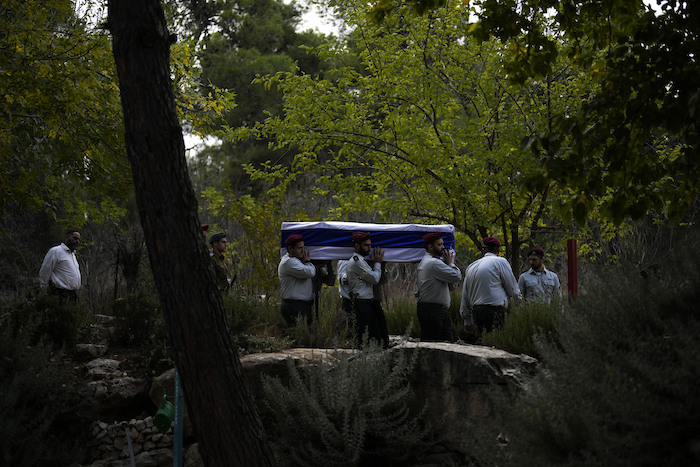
(329, 329)
(632, 147)
(237, 42)
(427, 115)
(257, 325)
(354, 413)
(634, 144)
(619, 386)
(401, 318)
(246, 313)
(137, 320)
(60, 131)
(50, 319)
(256, 249)
(33, 400)
(525, 325)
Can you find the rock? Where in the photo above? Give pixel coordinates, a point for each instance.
(109, 388)
(85, 351)
(458, 382)
(102, 368)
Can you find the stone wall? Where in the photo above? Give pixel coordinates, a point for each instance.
(110, 444)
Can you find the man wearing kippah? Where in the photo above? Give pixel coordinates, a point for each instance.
(488, 284)
(219, 243)
(437, 274)
(363, 277)
(538, 283)
(296, 272)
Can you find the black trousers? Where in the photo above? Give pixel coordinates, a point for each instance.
(486, 317)
(293, 309)
(369, 318)
(346, 306)
(66, 295)
(435, 323)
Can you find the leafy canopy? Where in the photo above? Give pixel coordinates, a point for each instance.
(60, 131)
(426, 128)
(635, 143)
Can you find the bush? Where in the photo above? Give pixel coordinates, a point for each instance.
(50, 319)
(401, 317)
(619, 387)
(355, 413)
(524, 325)
(137, 320)
(36, 409)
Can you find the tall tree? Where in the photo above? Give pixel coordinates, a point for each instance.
(636, 143)
(221, 406)
(429, 129)
(238, 41)
(61, 147)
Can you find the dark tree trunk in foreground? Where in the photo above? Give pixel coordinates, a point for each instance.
(226, 423)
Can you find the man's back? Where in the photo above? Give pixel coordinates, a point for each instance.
(490, 281)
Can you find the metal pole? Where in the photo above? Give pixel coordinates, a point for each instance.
(179, 407)
(128, 440)
(572, 268)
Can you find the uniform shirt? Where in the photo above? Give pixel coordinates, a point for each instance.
(220, 271)
(343, 286)
(60, 267)
(435, 279)
(362, 277)
(487, 281)
(295, 278)
(540, 286)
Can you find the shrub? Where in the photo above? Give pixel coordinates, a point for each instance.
(619, 387)
(525, 324)
(246, 314)
(35, 406)
(355, 413)
(401, 317)
(50, 319)
(330, 329)
(137, 320)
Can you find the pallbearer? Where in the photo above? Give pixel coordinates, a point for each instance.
(437, 274)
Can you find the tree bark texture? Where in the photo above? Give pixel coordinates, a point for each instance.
(225, 419)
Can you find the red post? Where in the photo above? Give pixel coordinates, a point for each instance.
(572, 268)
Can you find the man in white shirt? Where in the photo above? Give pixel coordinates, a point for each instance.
(362, 279)
(60, 271)
(539, 283)
(437, 274)
(488, 284)
(296, 272)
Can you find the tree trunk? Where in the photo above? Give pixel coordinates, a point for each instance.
(225, 420)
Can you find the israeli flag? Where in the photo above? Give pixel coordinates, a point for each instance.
(402, 243)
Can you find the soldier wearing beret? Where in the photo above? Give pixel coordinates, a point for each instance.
(437, 274)
(363, 276)
(538, 283)
(488, 284)
(219, 243)
(296, 273)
